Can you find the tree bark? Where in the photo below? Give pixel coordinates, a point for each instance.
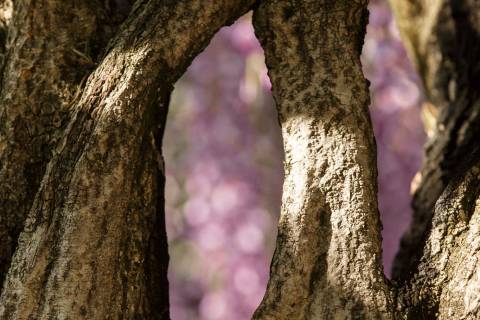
(446, 284)
(327, 260)
(327, 263)
(94, 243)
(443, 40)
(52, 46)
(6, 7)
(81, 169)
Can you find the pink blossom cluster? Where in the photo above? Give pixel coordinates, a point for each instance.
(224, 158)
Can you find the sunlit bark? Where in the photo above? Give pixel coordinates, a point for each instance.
(327, 261)
(443, 41)
(81, 170)
(48, 47)
(327, 264)
(94, 243)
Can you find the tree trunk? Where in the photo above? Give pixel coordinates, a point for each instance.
(94, 244)
(327, 264)
(46, 59)
(82, 114)
(443, 40)
(327, 260)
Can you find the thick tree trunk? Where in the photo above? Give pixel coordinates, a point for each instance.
(94, 244)
(443, 40)
(327, 264)
(52, 45)
(327, 261)
(80, 159)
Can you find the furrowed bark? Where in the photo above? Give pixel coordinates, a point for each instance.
(447, 283)
(327, 263)
(52, 45)
(438, 260)
(86, 251)
(443, 40)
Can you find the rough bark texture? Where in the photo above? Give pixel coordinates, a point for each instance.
(327, 263)
(94, 243)
(52, 45)
(443, 40)
(439, 257)
(447, 283)
(6, 7)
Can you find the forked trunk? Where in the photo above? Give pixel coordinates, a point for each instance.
(82, 114)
